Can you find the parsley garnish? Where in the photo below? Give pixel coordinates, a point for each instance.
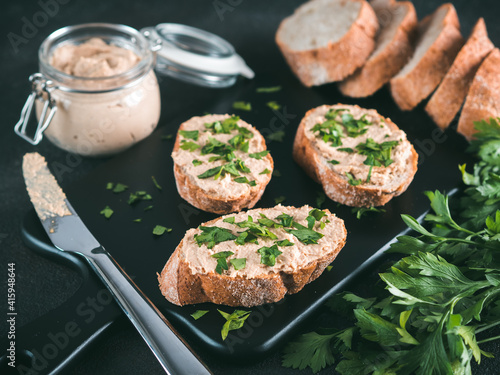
(284, 242)
(211, 236)
(118, 188)
(197, 162)
(360, 211)
(268, 255)
(285, 220)
(139, 196)
(276, 136)
(265, 171)
(244, 180)
(238, 263)
(273, 105)
(198, 314)
(243, 106)
(189, 134)
(156, 183)
(304, 234)
(225, 126)
(346, 149)
(377, 154)
(233, 321)
(107, 212)
(351, 180)
(189, 146)
(355, 127)
(267, 90)
(221, 261)
(256, 229)
(158, 230)
(334, 162)
(259, 155)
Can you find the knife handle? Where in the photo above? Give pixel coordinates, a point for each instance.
(174, 354)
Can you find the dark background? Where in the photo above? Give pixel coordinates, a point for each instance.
(41, 284)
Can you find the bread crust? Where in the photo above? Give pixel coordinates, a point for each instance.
(379, 69)
(180, 286)
(450, 95)
(483, 98)
(338, 188)
(410, 89)
(335, 61)
(199, 198)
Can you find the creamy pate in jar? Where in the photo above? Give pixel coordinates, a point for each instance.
(101, 80)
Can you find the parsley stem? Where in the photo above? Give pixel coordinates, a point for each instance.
(479, 330)
(489, 339)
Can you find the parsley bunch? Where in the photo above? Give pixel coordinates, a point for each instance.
(438, 300)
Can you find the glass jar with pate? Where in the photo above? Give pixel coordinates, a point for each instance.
(97, 94)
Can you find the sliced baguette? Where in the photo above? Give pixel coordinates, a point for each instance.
(450, 95)
(224, 194)
(398, 24)
(190, 274)
(438, 43)
(483, 98)
(315, 156)
(327, 40)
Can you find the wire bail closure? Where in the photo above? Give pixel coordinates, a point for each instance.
(40, 90)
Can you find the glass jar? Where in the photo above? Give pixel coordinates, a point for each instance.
(96, 116)
(103, 115)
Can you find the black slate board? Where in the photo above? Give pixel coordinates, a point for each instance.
(142, 254)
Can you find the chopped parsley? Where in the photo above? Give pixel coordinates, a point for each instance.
(351, 180)
(273, 105)
(304, 234)
(360, 211)
(147, 208)
(197, 162)
(346, 149)
(139, 196)
(259, 155)
(138, 220)
(238, 263)
(256, 229)
(156, 183)
(213, 235)
(109, 186)
(107, 212)
(377, 154)
(243, 106)
(244, 180)
(276, 136)
(189, 146)
(198, 314)
(229, 220)
(266, 90)
(265, 171)
(225, 126)
(233, 321)
(268, 255)
(221, 261)
(160, 230)
(190, 134)
(355, 127)
(285, 220)
(118, 188)
(284, 242)
(334, 162)
(279, 199)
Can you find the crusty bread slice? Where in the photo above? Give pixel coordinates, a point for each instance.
(327, 40)
(398, 26)
(342, 172)
(438, 43)
(220, 193)
(450, 95)
(191, 274)
(483, 98)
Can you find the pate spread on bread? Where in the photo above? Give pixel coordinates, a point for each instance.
(252, 257)
(359, 157)
(221, 163)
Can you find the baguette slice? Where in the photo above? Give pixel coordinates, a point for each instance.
(450, 95)
(438, 43)
(398, 25)
(342, 173)
(327, 40)
(190, 274)
(483, 99)
(220, 193)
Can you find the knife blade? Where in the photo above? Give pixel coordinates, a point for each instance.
(68, 233)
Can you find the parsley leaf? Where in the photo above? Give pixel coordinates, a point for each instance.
(213, 235)
(259, 155)
(243, 106)
(361, 211)
(107, 212)
(156, 183)
(265, 171)
(266, 90)
(284, 242)
(268, 255)
(234, 321)
(351, 180)
(189, 146)
(221, 261)
(197, 162)
(238, 263)
(118, 188)
(198, 314)
(304, 234)
(189, 134)
(158, 230)
(273, 105)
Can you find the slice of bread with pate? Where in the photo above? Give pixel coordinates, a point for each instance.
(221, 163)
(483, 98)
(450, 95)
(398, 26)
(438, 43)
(252, 257)
(359, 157)
(327, 40)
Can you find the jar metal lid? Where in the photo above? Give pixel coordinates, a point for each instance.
(195, 56)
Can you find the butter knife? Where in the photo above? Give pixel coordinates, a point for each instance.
(68, 233)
